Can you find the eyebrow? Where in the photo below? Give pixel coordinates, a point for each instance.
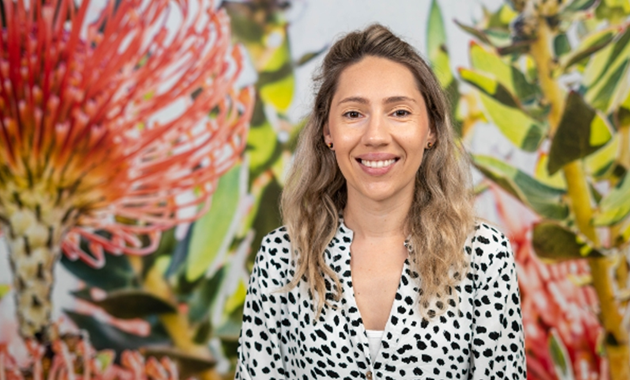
(391, 99)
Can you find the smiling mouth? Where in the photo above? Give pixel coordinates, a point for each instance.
(377, 164)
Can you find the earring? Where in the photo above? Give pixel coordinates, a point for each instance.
(429, 145)
(330, 145)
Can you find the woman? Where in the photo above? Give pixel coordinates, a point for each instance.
(381, 270)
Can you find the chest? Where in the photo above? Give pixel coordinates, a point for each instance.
(336, 346)
(376, 273)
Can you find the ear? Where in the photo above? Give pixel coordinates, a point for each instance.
(326, 133)
(431, 135)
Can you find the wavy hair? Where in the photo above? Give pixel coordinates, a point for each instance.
(441, 214)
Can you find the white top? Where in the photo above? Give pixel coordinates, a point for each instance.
(481, 339)
(374, 339)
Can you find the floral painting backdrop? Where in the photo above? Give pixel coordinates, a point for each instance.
(144, 146)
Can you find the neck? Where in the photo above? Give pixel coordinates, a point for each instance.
(375, 219)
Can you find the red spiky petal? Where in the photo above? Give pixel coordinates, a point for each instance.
(99, 128)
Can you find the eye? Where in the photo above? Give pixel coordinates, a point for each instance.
(352, 114)
(401, 113)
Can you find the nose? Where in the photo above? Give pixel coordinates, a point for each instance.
(376, 133)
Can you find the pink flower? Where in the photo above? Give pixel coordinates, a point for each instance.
(552, 302)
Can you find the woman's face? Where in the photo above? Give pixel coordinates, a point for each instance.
(379, 128)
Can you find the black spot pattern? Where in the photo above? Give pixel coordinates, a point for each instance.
(281, 339)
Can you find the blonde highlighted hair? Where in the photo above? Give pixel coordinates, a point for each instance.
(441, 215)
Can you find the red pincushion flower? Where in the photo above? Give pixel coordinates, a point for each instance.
(110, 131)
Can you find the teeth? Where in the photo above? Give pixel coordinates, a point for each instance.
(377, 164)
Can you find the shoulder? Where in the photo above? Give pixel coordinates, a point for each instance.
(274, 263)
(486, 238)
(489, 252)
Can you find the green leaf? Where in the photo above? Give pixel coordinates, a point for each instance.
(308, 57)
(180, 253)
(605, 78)
(241, 24)
(203, 332)
(544, 200)
(104, 359)
(621, 6)
(614, 11)
(436, 34)
(500, 108)
(204, 295)
(589, 45)
(230, 329)
(237, 298)
(4, 289)
(117, 272)
(557, 181)
(581, 131)
(270, 77)
(554, 241)
(213, 232)
(517, 48)
(188, 364)
(131, 303)
(498, 38)
(438, 55)
(481, 187)
(262, 142)
(579, 5)
(279, 93)
(560, 357)
(502, 18)
(561, 45)
(602, 163)
(105, 336)
(276, 81)
(267, 217)
(612, 92)
(623, 237)
(442, 68)
(509, 76)
(623, 114)
(615, 206)
(489, 86)
(163, 253)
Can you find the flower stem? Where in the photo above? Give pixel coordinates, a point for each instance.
(616, 339)
(541, 50)
(33, 252)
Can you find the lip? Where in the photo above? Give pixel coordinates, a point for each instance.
(377, 157)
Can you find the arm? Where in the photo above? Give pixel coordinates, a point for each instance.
(259, 354)
(498, 345)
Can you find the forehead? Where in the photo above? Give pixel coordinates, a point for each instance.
(376, 78)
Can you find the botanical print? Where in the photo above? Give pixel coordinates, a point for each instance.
(136, 160)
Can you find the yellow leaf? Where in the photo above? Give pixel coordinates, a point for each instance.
(4, 289)
(442, 69)
(540, 173)
(600, 133)
(507, 14)
(276, 40)
(236, 298)
(599, 163)
(280, 93)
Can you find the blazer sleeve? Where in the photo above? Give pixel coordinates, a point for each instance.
(498, 344)
(259, 352)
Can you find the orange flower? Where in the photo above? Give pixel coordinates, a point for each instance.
(80, 361)
(110, 131)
